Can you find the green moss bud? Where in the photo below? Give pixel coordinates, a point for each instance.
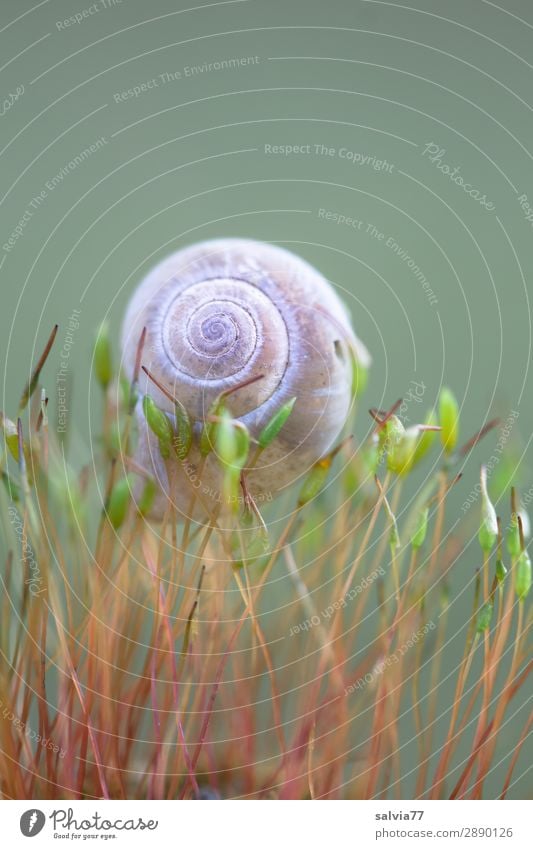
(271, 430)
(124, 392)
(11, 487)
(208, 435)
(10, 436)
(488, 530)
(250, 543)
(426, 438)
(114, 440)
(388, 435)
(232, 445)
(449, 419)
(183, 439)
(401, 454)
(233, 442)
(513, 537)
(159, 424)
(103, 365)
(371, 454)
(526, 525)
(484, 617)
(351, 480)
(419, 535)
(314, 481)
(501, 571)
(394, 536)
(359, 376)
(119, 500)
(523, 575)
(146, 501)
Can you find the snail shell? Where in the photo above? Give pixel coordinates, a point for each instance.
(219, 313)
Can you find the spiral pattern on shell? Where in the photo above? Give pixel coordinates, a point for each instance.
(221, 312)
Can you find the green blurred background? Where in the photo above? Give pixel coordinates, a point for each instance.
(189, 156)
